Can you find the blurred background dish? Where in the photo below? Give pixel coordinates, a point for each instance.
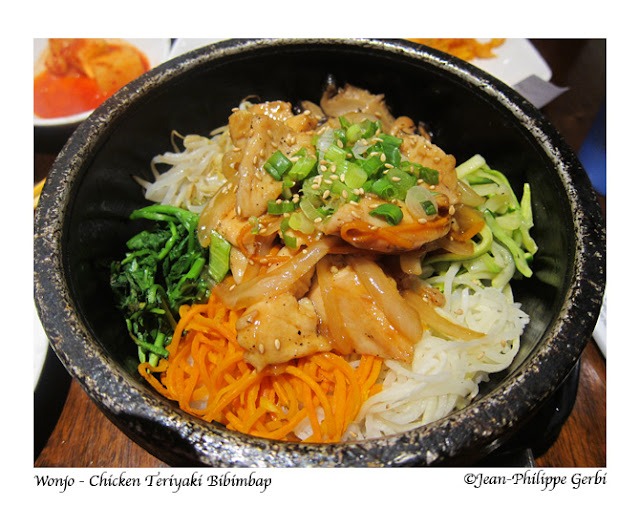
(86, 70)
(514, 60)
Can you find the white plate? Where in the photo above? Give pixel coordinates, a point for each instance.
(156, 51)
(515, 60)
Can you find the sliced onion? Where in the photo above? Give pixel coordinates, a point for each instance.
(360, 147)
(273, 282)
(384, 292)
(416, 196)
(469, 196)
(324, 141)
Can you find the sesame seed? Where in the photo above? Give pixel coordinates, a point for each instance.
(383, 157)
(480, 355)
(388, 166)
(395, 178)
(277, 344)
(317, 220)
(345, 194)
(342, 177)
(326, 194)
(333, 177)
(422, 221)
(261, 348)
(452, 210)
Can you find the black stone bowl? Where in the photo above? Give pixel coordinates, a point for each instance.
(82, 224)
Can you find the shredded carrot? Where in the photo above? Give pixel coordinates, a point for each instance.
(207, 375)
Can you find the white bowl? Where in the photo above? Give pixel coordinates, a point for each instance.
(156, 51)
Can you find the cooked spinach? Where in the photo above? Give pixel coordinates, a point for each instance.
(164, 267)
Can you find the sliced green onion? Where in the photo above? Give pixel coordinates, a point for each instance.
(344, 122)
(219, 253)
(391, 140)
(277, 165)
(335, 154)
(372, 165)
(354, 133)
(370, 128)
(383, 188)
(390, 212)
(340, 135)
(429, 176)
(354, 176)
(289, 240)
(277, 207)
(298, 221)
(309, 210)
(342, 191)
(394, 184)
(302, 168)
(429, 208)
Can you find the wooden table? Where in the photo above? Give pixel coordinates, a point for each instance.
(577, 64)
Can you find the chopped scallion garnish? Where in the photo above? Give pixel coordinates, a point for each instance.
(392, 213)
(280, 206)
(277, 165)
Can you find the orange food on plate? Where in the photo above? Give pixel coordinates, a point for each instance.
(77, 75)
(466, 49)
